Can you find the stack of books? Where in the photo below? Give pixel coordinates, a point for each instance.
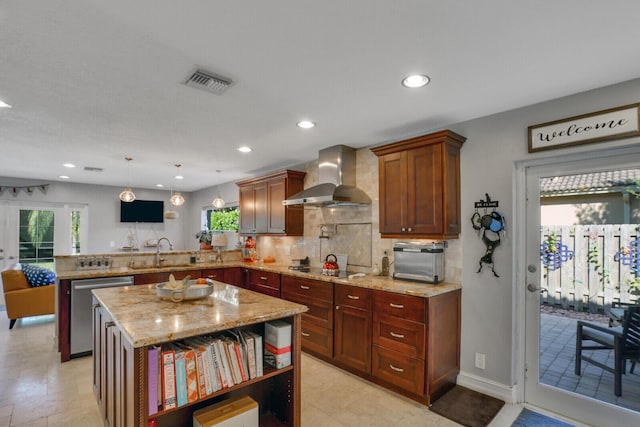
(184, 371)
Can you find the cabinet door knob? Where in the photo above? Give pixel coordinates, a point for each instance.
(403, 229)
(392, 305)
(409, 229)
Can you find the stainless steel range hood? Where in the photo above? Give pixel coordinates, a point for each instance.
(337, 180)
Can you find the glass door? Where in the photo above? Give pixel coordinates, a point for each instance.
(573, 225)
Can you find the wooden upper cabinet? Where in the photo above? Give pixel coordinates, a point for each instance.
(420, 186)
(261, 209)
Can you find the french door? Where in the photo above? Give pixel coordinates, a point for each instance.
(537, 391)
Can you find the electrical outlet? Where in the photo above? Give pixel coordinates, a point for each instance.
(480, 360)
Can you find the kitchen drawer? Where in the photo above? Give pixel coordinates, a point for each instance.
(265, 278)
(316, 339)
(264, 289)
(353, 296)
(398, 369)
(320, 312)
(399, 334)
(214, 274)
(309, 288)
(398, 305)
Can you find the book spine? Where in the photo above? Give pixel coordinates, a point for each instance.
(218, 369)
(238, 353)
(192, 375)
(203, 390)
(224, 360)
(152, 378)
(168, 379)
(235, 369)
(259, 355)
(181, 379)
(251, 356)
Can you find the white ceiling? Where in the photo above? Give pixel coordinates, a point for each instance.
(93, 81)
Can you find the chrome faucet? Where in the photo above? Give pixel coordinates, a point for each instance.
(158, 259)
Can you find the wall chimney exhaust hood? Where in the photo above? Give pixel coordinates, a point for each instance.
(337, 180)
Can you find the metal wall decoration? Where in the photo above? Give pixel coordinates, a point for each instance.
(553, 253)
(491, 227)
(14, 190)
(630, 256)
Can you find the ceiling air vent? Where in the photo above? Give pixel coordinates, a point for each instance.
(208, 81)
(92, 169)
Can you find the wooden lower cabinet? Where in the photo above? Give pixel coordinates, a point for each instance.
(113, 371)
(352, 334)
(234, 276)
(265, 282)
(317, 323)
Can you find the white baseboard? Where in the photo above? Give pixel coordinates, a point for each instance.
(488, 387)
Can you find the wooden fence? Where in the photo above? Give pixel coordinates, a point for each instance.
(587, 267)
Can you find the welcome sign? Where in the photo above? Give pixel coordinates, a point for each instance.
(605, 125)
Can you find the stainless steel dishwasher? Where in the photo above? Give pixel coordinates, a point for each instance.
(81, 332)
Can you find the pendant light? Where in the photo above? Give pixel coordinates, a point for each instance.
(127, 195)
(177, 199)
(218, 202)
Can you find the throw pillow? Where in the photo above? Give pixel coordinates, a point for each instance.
(13, 280)
(38, 276)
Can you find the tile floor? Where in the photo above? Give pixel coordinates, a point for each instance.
(37, 390)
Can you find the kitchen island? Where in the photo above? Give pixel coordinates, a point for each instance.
(128, 321)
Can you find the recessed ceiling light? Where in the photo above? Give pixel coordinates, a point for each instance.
(69, 165)
(63, 177)
(159, 185)
(4, 104)
(245, 149)
(306, 124)
(179, 177)
(415, 81)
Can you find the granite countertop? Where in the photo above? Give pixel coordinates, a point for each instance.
(146, 319)
(382, 283)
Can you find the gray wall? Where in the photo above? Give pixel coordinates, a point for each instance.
(494, 144)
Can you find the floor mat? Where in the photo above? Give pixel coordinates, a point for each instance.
(467, 407)
(529, 418)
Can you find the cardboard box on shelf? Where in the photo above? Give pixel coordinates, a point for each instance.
(277, 343)
(240, 411)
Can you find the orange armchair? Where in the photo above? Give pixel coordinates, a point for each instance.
(23, 300)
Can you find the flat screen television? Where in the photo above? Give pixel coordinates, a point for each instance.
(142, 211)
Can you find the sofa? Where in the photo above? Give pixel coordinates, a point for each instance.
(28, 291)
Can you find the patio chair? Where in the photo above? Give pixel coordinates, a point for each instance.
(623, 340)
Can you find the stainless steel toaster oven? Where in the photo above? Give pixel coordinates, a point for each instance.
(423, 262)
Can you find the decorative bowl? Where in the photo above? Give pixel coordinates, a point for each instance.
(192, 292)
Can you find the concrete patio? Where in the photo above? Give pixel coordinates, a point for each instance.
(557, 356)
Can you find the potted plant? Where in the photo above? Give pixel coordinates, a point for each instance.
(204, 237)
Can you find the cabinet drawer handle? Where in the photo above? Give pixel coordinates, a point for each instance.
(263, 278)
(392, 305)
(212, 276)
(409, 229)
(304, 287)
(396, 369)
(393, 334)
(304, 334)
(352, 297)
